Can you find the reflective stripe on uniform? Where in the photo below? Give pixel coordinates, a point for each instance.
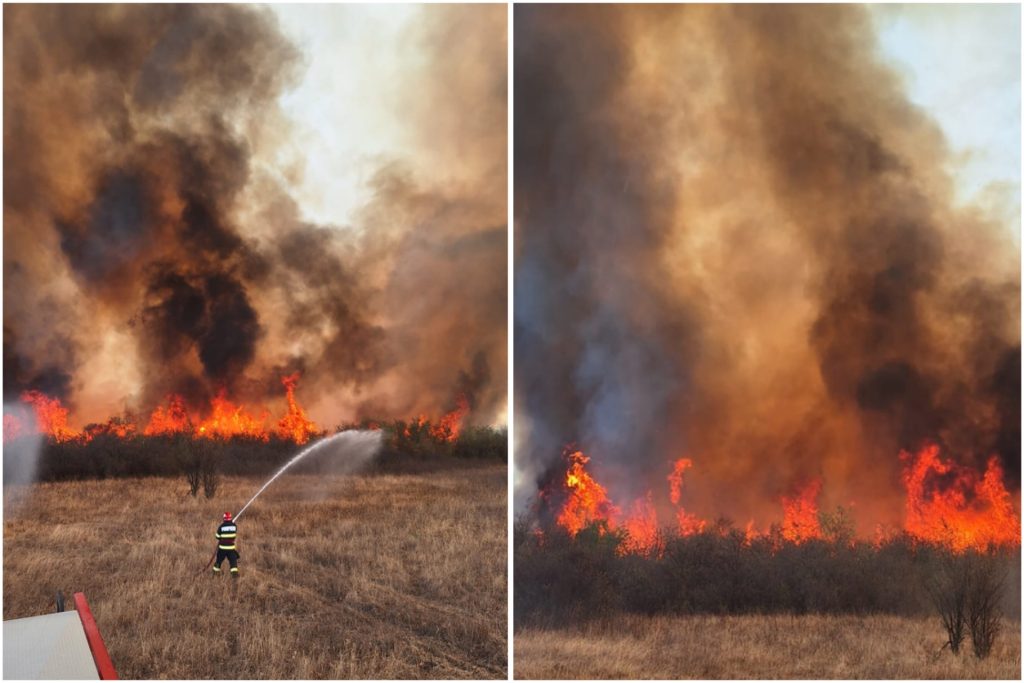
(216, 569)
(226, 547)
(227, 535)
(234, 570)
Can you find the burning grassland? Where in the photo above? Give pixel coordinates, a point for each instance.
(946, 504)
(599, 573)
(223, 420)
(580, 554)
(750, 294)
(227, 439)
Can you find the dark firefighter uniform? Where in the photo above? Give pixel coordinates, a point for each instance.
(227, 535)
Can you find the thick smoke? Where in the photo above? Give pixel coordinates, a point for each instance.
(148, 249)
(737, 242)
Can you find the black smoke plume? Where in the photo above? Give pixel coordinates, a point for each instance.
(147, 251)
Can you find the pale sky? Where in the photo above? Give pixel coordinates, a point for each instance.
(962, 64)
(345, 112)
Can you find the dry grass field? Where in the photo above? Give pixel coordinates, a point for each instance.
(795, 647)
(386, 576)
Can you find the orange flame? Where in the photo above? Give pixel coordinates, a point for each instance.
(588, 501)
(51, 416)
(800, 514)
(418, 423)
(946, 503)
(228, 419)
(295, 425)
(642, 529)
(170, 420)
(114, 427)
(750, 534)
(952, 505)
(448, 428)
(688, 523)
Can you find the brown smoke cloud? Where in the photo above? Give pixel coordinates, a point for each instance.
(737, 241)
(147, 252)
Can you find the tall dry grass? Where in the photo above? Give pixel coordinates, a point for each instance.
(731, 647)
(388, 576)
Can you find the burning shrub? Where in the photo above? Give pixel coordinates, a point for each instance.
(838, 526)
(561, 577)
(483, 443)
(175, 454)
(421, 440)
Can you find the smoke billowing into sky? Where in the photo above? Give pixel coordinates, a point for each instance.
(155, 238)
(738, 240)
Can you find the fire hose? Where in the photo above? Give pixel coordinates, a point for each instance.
(210, 562)
(299, 456)
(207, 566)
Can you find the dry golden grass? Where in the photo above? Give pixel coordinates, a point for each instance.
(390, 576)
(879, 647)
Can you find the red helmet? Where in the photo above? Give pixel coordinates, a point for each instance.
(227, 516)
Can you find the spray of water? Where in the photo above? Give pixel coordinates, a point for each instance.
(361, 443)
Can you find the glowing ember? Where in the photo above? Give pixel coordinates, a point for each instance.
(448, 428)
(588, 501)
(228, 419)
(800, 514)
(170, 420)
(688, 523)
(295, 425)
(953, 505)
(51, 416)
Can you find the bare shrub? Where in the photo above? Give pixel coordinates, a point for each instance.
(967, 590)
(198, 460)
(190, 463)
(210, 477)
(194, 477)
(948, 589)
(985, 591)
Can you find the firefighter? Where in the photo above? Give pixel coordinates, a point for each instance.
(227, 548)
